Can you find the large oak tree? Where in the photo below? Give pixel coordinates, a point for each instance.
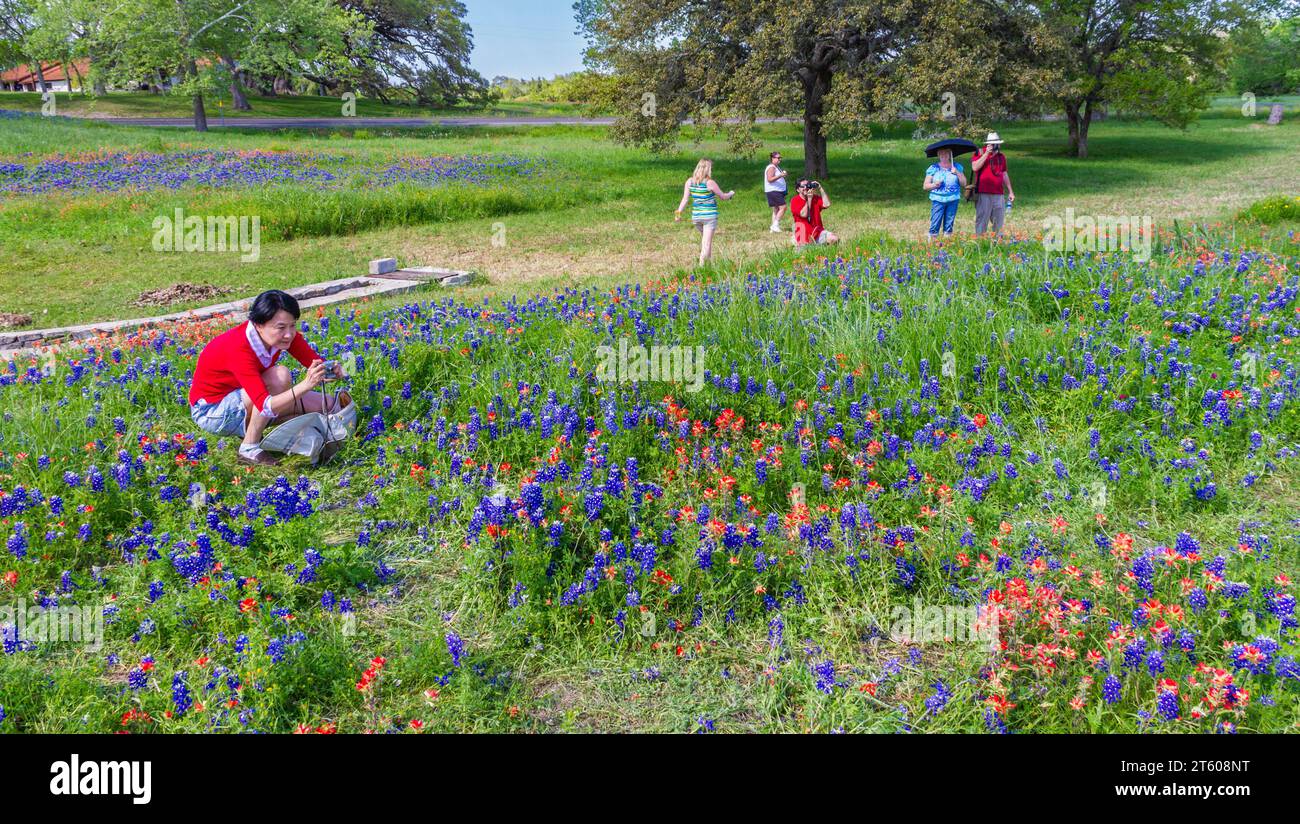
(190, 37)
(1158, 58)
(837, 65)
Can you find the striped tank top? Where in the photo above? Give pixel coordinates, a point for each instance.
(704, 204)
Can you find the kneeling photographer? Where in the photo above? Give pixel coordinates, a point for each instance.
(240, 388)
(806, 207)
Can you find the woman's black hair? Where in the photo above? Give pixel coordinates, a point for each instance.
(271, 301)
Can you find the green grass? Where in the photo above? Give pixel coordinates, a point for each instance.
(613, 221)
(542, 667)
(1273, 210)
(140, 104)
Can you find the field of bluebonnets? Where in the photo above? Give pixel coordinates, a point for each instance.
(147, 171)
(1100, 454)
(62, 180)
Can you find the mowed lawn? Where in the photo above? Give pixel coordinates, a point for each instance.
(135, 104)
(600, 213)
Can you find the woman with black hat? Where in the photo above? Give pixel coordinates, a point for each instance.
(944, 180)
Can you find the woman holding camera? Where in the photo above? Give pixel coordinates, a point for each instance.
(239, 387)
(702, 192)
(945, 181)
(806, 207)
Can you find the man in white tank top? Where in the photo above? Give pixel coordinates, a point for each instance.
(774, 189)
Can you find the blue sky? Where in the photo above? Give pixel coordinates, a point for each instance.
(524, 38)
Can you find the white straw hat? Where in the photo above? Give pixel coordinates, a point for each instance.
(993, 139)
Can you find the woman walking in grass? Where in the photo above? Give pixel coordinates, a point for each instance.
(702, 192)
(774, 187)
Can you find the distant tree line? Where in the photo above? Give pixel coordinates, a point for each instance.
(587, 87)
(841, 66)
(411, 50)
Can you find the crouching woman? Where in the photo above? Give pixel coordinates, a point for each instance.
(239, 386)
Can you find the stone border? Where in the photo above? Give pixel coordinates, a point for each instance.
(18, 343)
(444, 277)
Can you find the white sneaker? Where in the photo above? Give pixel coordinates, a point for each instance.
(776, 230)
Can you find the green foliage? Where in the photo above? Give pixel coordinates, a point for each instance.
(186, 37)
(416, 47)
(1171, 94)
(1264, 58)
(1273, 210)
(1159, 58)
(416, 50)
(592, 89)
(836, 66)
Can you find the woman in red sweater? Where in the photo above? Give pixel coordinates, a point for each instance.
(239, 387)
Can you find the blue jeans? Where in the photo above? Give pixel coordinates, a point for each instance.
(942, 214)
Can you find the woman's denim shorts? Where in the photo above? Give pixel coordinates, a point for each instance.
(226, 417)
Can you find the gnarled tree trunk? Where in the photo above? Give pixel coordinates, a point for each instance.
(1072, 118)
(200, 114)
(1084, 122)
(816, 84)
(239, 101)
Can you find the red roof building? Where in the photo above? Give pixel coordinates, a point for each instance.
(59, 77)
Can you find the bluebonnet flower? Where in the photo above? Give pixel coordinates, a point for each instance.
(824, 675)
(456, 647)
(1167, 705)
(942, 695)
(181, 694)
(1155, 662)
(17, 542)
(1110, 689)
(994, 723)
(775, 632)
(905, 572)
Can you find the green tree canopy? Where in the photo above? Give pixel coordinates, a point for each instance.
(838, 65)
(1160, 58)
(1265, 57)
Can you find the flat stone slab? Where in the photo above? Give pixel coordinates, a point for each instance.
(24, 342)
(428, 273)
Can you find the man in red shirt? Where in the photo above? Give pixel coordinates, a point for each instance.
(239, 387)
(992, 185)
(806, 208)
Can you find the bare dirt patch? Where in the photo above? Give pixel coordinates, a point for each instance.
(180, 293)
(14, 320)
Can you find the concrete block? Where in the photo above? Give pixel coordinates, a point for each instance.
(382, 266)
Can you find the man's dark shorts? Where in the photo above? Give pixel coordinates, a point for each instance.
(776, 198)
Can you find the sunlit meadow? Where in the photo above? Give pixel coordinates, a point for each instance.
(1099, 455)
